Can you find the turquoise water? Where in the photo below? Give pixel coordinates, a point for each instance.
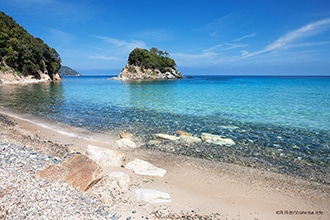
(280, 124)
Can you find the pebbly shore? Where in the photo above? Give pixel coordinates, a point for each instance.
(25, 195)
(196, 187)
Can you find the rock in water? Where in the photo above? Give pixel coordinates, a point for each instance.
(216, 139)
(149, 65)
(105, 156)
(78, 171)
(190, 139)
(145, 168)
(166, 137)
(181, 132)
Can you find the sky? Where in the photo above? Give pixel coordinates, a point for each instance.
(224, 37)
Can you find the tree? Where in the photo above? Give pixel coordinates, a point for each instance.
(152, 59)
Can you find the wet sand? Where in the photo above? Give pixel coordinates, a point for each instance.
(195, 185)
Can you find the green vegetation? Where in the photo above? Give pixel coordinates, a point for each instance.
(67, 71)
(153, 59)
(24, 53)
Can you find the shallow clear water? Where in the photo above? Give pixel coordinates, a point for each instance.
(278, 123)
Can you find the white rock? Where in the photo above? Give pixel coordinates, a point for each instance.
(216, 139)
(229, 127)
(152, 196)
(122, 179)
(166, 137)
(125, 143)
(145, 168)
(190, 139)
(105, 156)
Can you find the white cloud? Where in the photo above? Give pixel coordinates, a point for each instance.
(117, 43)
(285, 41)
(205, 58)
(244, 37)
(225, 46)
(208, 57)
(231, 52)
(114, 51)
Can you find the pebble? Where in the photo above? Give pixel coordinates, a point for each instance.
(24, 195)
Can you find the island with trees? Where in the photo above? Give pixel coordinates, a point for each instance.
(149, 65)
(23, 56)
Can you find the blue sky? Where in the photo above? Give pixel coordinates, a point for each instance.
(268, 37)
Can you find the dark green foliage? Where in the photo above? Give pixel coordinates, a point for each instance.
(153, 59)
(23, 52)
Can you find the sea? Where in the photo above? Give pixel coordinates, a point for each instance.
(278, 123)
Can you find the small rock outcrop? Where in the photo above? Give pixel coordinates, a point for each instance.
(149, 65)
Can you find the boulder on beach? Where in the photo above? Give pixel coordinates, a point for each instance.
(105, 156)
(79, 171)
(216, 139)
(145, 168)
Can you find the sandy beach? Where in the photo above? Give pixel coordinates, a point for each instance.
(198, 189)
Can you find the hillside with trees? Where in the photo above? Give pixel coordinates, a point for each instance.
(153, 64)
(67, 71)
(24, 55)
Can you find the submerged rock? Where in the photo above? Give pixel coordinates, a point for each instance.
(190, 139)
(229, 127)
(166, 137)
(216, 139)
(126, 134)
(145, 168)
(79, 171)
(181, 132)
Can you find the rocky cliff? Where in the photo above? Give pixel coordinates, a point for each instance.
(149, 65)
(133, 72)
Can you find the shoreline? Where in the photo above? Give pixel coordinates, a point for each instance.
(197, 185)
